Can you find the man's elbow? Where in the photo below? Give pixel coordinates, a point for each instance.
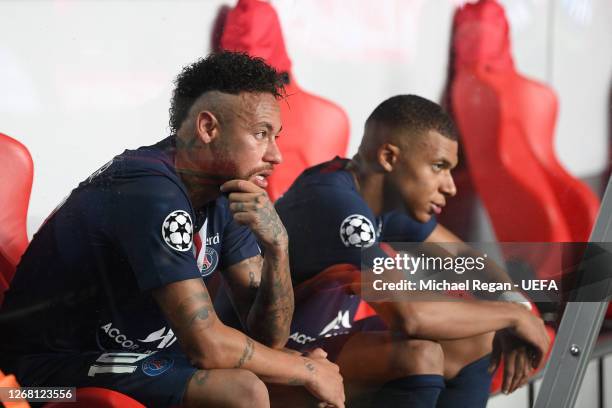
(279, 342)
(271, 333)
(208, 356)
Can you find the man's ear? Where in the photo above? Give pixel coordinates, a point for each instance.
(387, 156)
(207, 126)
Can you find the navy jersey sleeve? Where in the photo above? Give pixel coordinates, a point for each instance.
(397, 226)
(327, 226)
(153, 227)
(239, 244)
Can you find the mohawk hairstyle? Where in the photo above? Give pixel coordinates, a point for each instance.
(227, 72)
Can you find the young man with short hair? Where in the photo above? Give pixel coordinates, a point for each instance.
(414, 353)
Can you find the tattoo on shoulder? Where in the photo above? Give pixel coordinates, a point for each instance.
(247, 354)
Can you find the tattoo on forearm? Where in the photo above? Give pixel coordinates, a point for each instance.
(247, 354)
(309, 366)
(294, 381)
(265, 304)
(271, 314)
(270, 221)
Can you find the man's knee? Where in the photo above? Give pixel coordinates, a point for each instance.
(414, 357)
(250, 391)
(229, 388)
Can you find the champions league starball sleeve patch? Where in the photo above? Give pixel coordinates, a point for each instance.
(357, 231)
(177, 230)
(153, 226)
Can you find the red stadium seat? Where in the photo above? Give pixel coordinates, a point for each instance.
(15, 188)
(507, 125)
(9, 381)
(577, 201)
(314, 129)
(507, 122)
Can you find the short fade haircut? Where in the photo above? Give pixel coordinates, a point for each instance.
(227, 72)
(413, 114)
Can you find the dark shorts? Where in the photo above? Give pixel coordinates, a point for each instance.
(326, 316)
(157, 380)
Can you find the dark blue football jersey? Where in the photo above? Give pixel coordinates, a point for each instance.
(84, 282)
(329, 223)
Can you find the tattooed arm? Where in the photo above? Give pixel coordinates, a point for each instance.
(263, 298)
(261, 288)
(209, 344)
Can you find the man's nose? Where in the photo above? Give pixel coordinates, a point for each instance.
(448, 186)
(273, 154)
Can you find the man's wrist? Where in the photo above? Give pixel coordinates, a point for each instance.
(305, 372)
(311, 372)
(517, 313)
